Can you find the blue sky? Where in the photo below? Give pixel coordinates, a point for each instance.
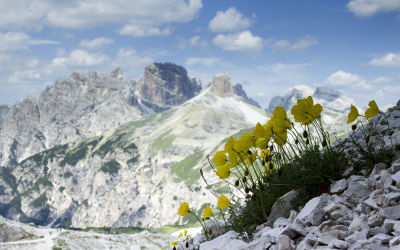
(268, 46)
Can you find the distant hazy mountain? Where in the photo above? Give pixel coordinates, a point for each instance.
(80, 107)
(240, 92)
(136, 174)
(329, 98)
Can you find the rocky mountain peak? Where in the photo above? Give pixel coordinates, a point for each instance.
(238, 88)
(116, 73)
(165, 85)
(326, 96)
(222, 85)
(78, 76)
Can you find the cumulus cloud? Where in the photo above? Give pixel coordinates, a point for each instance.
(285, 45)
(41, 42)
(197, 42)
(96, 43)
(244, 82)
(392, 91)
(280, 83)
(209, 61)
(341, 79)
(382, 79)
(129, 58)
(181, 42)
(366, 8)
(243, 42)
(138, 18)
(230, 21)
(81, 58)
(13, 41)
(389, 61)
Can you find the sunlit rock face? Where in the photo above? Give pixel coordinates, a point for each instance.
(329, 98)
(238, 88)
(166, 85)
(222, 85)
(81, 106)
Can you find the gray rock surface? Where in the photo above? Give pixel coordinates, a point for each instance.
(238, 89)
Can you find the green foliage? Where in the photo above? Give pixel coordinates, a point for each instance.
(85, 203)
(184, 169)
(130, 147)
(61, 189)
(111, 167)
(67, 174)
(133, 160)
(39, 135)
(13, 147)
(45, 170)
(56, 248)
(162, 142)
(175, 198)
(39, 202)
(74, 181)
(79, 152)
(9, 178)
(35, 188)
(109, 146)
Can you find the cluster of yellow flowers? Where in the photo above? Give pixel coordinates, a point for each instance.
(223, 202)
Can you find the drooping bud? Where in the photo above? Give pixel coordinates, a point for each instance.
(324, 143)
(244, 179)
(187, 244)
(307, 141)
(262, 187)
(354, 127)
(249, 152)
(305, 134)
(246, 172)
(246, 190)
(296, 141)
(254, 186)
(174, 248)
(271, 148)
(236, 183)
(367, 139)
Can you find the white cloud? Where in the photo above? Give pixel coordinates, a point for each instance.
(81, 58)
(205, 61)
(243, 42)
(138, 18)
(366, 8)
(197, 42)
(181, 43)
(96, 43)
(392, 91)
(285, 45)
(230, 21)
(259, 94)
(344, 79)
(129, 58)
(382, 79)
(244, 82)
(389, 61)
(13, 41)
(41, 42)
(280, 83)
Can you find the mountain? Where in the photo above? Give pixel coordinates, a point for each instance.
(240, 92)
(79, 107)
(136, 174)
(329, 98)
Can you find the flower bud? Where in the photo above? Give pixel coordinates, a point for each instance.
(262, 187)
(249, 152)
(367, 139)
(254, 186)
(236, 183)
(354, 127)
(246, 190)
(244, 179)
(305, 134)
(263, 162)
(174, 248)
(296, 141)
(271, 148)
(187, 244)
(307, 141)
(324, 143)
(246, 172)
(279, 172)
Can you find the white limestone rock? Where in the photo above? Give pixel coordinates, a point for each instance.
(338, 186)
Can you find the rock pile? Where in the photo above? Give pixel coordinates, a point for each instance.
(359, 213)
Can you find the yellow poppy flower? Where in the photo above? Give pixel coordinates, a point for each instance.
(251, 158)
(183, 209)
(242, 156)
(185, 231)
(180, 234)
(220, 158)
(312, 113)
(280, 126)
(259, 131)
(372, 111)
(223, 202)
(233, 157)
(174, 243)
(265, 153)
(247, 141)
(299, 110)
(262, 143)
(223, 171)
(229, 145)
(279, 112)
(352, 116)
(281, 139)
(207, 212)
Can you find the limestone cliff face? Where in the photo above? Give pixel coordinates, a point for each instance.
(238, 88)
(222, 85)
(82, 106)
(166, 85)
